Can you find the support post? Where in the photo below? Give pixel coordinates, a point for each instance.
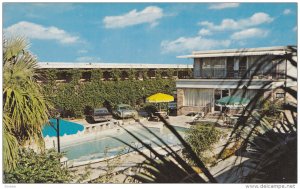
(57, 132)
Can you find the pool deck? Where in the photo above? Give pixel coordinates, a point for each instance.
(97, 167)
(127, 161)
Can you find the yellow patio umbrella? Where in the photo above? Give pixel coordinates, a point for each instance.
(159, 98)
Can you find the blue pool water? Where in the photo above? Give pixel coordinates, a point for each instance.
(104, 145)
(65, 127)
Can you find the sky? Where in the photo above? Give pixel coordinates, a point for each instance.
(146, 32)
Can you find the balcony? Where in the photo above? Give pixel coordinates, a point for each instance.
(227, 83)
(238, 74)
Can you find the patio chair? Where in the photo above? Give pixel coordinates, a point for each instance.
(198, 116)
(153, 117)
(227, 121)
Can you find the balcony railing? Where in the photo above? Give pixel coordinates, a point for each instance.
(213, 74)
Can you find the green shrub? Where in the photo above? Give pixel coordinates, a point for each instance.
(202, 137)
(272, 108)
(38, 168)
(228, 152)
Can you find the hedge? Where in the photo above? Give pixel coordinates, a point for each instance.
(73, 98)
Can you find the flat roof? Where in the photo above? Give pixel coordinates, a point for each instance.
(276, 50)
(85, 65)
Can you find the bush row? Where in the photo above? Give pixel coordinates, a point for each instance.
(73, 98)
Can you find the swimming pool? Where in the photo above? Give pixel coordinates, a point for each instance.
(65, 128)
(104, 145)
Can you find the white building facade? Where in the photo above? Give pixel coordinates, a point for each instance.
(238, 72)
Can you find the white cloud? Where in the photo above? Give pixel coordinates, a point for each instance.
(149, 15)
(82, 51)
(295, 28)
(88, 59)
(183, 44)
(249, 33)
(231, 24)
(219, 6)
(287, 11)
(204, 32)
(36, 31)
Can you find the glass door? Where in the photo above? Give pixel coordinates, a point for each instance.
(220, 93)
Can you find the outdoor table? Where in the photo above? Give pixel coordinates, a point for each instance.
(234, 119)
(237, 115)
(163, 114)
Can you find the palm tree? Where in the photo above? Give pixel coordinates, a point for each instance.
(24, 107)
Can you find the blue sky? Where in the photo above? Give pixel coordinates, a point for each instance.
(146, 32)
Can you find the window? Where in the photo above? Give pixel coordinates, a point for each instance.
(280, 69)
(240, 66)
(197, 68)
(249, 93)
(279, 95)
(198, 97)
(264, 63)
(236, 64)
(253, 61)
(213, 67)
(230, 67)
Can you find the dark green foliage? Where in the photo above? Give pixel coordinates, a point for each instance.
(38, 168)
(272, 108)
(51, 75)
(201, 137)
(73, 97)
(269, 135)
(116, 74)
(158, 73)
(149, 108)
(132, 74)
(75, 75)
(273, 158)
(170, 72)
(190, 72)
(96, 75)
(145, 75)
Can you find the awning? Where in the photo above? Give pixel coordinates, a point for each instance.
(232, 101)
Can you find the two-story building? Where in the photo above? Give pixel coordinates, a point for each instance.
(220, 73)
(178, 71)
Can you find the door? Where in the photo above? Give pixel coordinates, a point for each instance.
(220, 93)
(242, 66)
(230, 66)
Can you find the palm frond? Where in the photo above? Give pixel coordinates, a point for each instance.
(10, 146)
(23, 102)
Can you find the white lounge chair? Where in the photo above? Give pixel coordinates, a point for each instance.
(199, 115)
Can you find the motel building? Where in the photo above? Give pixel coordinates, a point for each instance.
(218, 73)
(63, 70)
